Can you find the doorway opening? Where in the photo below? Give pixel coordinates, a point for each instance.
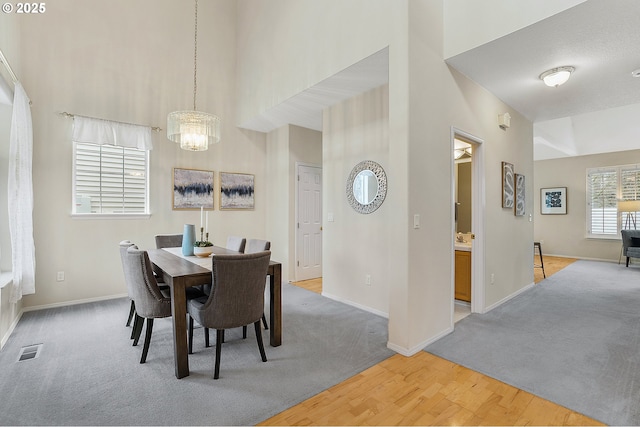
(468, 224)
(308, 233)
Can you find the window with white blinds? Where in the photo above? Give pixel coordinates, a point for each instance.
(607, 190)
(110, 180)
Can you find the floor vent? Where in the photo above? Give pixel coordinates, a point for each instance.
(29, 352)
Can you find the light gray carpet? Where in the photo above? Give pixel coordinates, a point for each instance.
(89, 374)
(573, 339)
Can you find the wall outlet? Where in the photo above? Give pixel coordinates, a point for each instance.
(367, 280)
(60, 276)
(493, 278)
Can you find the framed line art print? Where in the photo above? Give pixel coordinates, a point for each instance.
(192, 189)
(508, 190)
(236, 191)
(553, 201)
(520, 205)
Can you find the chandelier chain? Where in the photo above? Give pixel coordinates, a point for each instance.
(195, 58)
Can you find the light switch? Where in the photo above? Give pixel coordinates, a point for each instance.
(416, 221)
(330, 217)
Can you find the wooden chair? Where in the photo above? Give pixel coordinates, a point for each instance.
(236, 299)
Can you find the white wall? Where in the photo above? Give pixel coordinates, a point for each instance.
(356, 245)
(508, 238)
(132, 62)
(425, 99)
(565, 235)
(471, 23)
(287, 46)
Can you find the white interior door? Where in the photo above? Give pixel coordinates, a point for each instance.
(309, 223)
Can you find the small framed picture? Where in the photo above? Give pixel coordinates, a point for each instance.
(520, 206)
(553, 201)
(192, 189)
(236, 191)
(508, 190)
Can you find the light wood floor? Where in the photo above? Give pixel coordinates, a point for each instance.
(427, 390)
(551, 265)
(314, 285)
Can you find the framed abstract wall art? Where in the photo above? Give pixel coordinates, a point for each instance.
(192, 189)
(553, 201)
(508, 190)
(520, 203)
(236, 191)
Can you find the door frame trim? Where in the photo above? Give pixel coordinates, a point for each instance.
(296, 218)
(478, 198)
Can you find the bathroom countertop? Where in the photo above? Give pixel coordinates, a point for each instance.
(462, 246)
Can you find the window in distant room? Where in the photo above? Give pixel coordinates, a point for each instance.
(613, 200)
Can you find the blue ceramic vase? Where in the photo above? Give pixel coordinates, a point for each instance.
(188, 239)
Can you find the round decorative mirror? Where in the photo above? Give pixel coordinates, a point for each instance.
(366, 187)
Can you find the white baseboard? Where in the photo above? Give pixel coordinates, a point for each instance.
(13, 325)
(74, 302)
(408, 352)
(507, 298)
(356, 305)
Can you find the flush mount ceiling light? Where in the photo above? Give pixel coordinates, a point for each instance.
(192, 129)
(556, 76)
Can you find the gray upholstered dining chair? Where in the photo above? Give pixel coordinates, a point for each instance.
(249, 246)
(149, 301)
(236, 299)
(631, 244)
(124, 245)
(256, 245)
(236, 243)
(253, 246)
(168, 240)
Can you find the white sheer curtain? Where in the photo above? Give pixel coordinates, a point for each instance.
(20, 186)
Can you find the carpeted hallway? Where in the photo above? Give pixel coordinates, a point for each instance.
(572, 339)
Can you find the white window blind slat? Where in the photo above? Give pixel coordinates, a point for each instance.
(110, 180)
(605, 188)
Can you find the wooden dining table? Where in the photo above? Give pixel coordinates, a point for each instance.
(181, 272)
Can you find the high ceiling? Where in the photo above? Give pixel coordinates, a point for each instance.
(305, 108)
(597, 110)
